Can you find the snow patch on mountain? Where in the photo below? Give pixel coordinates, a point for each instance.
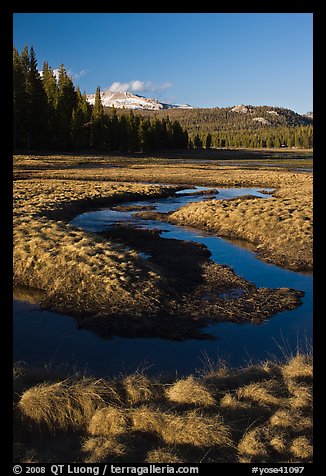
(127, 100)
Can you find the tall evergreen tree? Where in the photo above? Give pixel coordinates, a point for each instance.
(98, 110)
(98, 122)
(197, 142)
(20, 102)
(38, 107)
(65, 107)
(81, 122)
(208, 141)
(52, 91)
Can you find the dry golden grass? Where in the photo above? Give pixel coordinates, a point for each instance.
(61, 405)
(109, 421)
(263, 393)
(253, 444)
(140, 389)
(100, 448)
(190, 390)
(150, 169)
(254, 418)
(279, 227)
(301, 448)
(190, 427)
(77, 271)
(298, 367)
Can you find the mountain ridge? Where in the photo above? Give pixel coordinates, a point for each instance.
(263, 115)
(128, 100)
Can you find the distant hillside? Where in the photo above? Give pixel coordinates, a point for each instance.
(236, 118)
(240, 126)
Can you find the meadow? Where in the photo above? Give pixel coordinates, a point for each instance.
(257, 413)
(98, 279)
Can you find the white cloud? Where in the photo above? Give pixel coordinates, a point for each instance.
(138, 86)
(78, 75)
(116, 87)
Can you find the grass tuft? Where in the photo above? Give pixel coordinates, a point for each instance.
(62, 405)
(302, 448)
(190, 390)
(109, 421)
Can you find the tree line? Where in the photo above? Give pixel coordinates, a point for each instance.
(222, 127)
(299, 137)
(49, 112)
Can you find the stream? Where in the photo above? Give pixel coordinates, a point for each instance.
(42, 336)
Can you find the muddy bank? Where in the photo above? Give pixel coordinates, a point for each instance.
(196, 291)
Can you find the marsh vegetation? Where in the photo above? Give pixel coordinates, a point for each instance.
(104, 280)
(259, 413)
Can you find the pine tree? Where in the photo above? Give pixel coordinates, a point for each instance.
(123, 134)
(52, 92)
(65, 107)
(98, 110)
(197, 142)
(81, 122)
(38, 111)
(20, 102)
(208, 141)
(134, 131)
(98, 122)
(145, 135)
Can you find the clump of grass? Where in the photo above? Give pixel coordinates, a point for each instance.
(301, 395)
(188, 428)
(140, 389)
(263, 393)
(299, 366)
(100, 448)
(197, 429)
(62, 405)
(301, 448)
(290, 419)
(109, 421)
(148, 419)
(253, 443)
(190, 390)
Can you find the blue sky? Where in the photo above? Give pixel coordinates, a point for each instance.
(203, 59)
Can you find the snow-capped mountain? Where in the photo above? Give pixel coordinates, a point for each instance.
(127, 100)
